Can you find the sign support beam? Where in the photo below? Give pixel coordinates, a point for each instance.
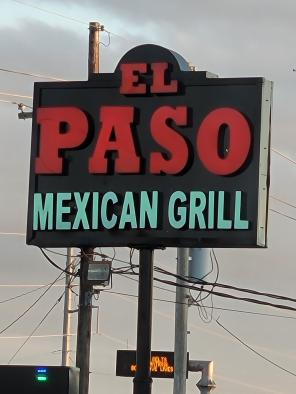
(181, 319)
(143, 380)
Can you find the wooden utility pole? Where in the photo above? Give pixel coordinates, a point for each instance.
(85, 293)
(84, 321)
(94, 48)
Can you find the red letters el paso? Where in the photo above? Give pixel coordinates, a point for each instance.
(130, 81)
(169, 139)
(63, 128)
(116, 135)
(52, 139)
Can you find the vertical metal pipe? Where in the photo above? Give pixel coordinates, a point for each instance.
(181, 316)
(142, 379)
(68, 303)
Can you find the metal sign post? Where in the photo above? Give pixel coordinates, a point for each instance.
(142, 379)
(181, 319)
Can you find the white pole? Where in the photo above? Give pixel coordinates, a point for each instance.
(68, 304)
(181, 313)
(197, 268)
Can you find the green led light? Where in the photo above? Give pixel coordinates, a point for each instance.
(41, 378)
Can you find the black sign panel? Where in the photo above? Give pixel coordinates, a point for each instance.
(161, 366)
(16, 379)
(151, 155)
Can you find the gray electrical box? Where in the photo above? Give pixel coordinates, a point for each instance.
(29, 379)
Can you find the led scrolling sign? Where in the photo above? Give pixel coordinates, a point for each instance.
(161, 365)
(151, 155)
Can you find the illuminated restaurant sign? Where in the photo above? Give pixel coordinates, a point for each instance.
(161, 366)
(151, 155)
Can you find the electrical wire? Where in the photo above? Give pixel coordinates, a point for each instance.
(37, 336)
(15, 95)
(59, 253)
(30, 307)
(7, 70)
(241, 311)
(36, 328)
(109, 40)
(250, 300)
(67, 18)
(255, 351)
(21, 106)
(283, 202)
(193, 286)
(7, 233)
(283, 214)
(225, 286)
(50, 12)
(154, 286)
(27, 292)
(284, 156)
(9, 102)
(56, 265)
(230, 296)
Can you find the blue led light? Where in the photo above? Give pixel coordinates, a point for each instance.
(42, 370)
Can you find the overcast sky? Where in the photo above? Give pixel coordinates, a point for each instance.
(229, 38)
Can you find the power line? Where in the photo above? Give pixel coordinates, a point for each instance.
(154, 286)
(66, 17)
(36, 328)
(226, 286)
(206, 306)
(50, 12)
(282, 201)
(284, 156)
(226, 295)
(203, 283)
(55, 265)
(37, 336)
(21, 106)
(283, 214)
(8, 102)
(30, 307)
(60, 254)
(32, 75)
(26, 293)
(15, 95)
(30, 285)
(254, 351)
(6, 233)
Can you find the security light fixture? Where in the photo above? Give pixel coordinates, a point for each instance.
(99, 273)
